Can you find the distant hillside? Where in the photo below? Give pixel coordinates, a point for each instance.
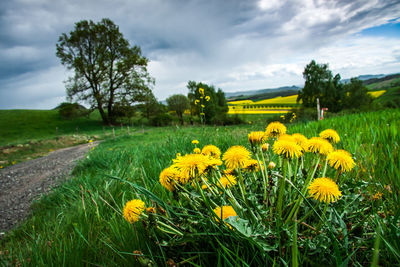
(373, 82)
(273, 92)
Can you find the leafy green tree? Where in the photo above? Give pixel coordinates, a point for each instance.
(356, 94)
(214, 102)
(320, 83)
(106, 68)
(178, 103)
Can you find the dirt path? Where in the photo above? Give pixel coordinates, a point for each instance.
(26, 181)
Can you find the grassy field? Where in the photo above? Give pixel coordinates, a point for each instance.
(81, 223)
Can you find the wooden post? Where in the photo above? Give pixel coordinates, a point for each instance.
(113, 133)
(128, 129)
(77, 130)
(318, 110)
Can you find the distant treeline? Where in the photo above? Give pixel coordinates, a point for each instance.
(386, 78)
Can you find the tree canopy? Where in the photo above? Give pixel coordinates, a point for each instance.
(107, 70)
(178, 103)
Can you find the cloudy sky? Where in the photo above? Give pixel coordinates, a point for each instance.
(235, 45)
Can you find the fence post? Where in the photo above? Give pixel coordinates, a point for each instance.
(318, 110)
(128, 129)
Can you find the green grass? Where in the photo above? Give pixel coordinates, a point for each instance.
(20, 126)
(80, 223)
(384, 84)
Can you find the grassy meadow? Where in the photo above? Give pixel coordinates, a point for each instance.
(277, 223)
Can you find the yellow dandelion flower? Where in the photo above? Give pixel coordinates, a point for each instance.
(275, 129)
(330, 135)
(151, 210)
(252, 165)
(271, 165)
(287, 137)
(324, 190)
(192, 165)
(257, 138)
(228, 180)
(377, 196)
(133, 209)
(224, 212)
(178, 155)
(168, 177)
(195, 142)
(90, 141)
(212, 151)
(1, 166)
(319, 145)
(301, 140)
(196, 101)
(201, 91)
(341, 160)
(264, 147)
(202, 114)
(202, 106)
(196, 150)
(236, 157)
(287, 149)
(13, 162)
(207, 98)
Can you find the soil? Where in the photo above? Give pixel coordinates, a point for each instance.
(22, 183)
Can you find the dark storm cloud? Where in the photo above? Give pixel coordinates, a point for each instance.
(233, 44)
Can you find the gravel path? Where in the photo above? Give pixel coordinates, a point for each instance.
(26, 181)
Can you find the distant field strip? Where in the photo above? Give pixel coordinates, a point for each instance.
(376, 94)
(256, 110)
(276, 100)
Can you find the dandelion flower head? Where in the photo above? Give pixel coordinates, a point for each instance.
(212, 151)
(341, 160)
(168, 177)
(224, 212)
(228, 180)
(330, 135)
(195, 142)
(264, 147)
(319, 145)
(301, 140)
(257, 138)
(324, 190)
(133, 209)
(287, 149)
(252, 165)
(192, 165)
(207, 98)
(275, 129)
(271, 165)
(236, 157)
(201, 91)
(287, 137)
(196, 150)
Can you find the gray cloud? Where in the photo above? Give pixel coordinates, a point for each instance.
(236, 45)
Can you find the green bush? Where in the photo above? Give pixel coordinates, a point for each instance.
(72, 110)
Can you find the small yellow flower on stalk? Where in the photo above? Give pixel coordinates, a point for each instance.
(275, 129)
(287, 149)
(196, 150)
(201, 91)
(228, 181)
(168, 177)
(195, 142)
(330, 135)
(13, 162)
(178, 155)
(324, 190)
(252, 165)
(90, 141)
(196, 101)
(133, 209)
(207, 98)
(1, 166)
(319, 145)
(151, 210)
(212, 151)
(202, 106)
(202, 114)
(301, 140)
(257, 138)
(377, 196)
(264, 147)
(224, 212)
(341, 160)
(236, 157)
(271, 165)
